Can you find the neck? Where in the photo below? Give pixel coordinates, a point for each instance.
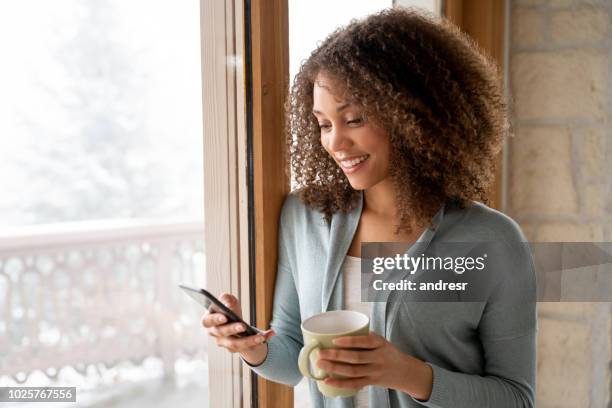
(380, 199)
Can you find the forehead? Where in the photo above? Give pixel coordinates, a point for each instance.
(327, 92)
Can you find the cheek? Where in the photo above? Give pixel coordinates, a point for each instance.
(381, 147)
(324, 143)
(377, 143)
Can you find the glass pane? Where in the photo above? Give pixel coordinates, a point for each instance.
(432, 6)
(101, 108)
(328, 15)
(102, 187)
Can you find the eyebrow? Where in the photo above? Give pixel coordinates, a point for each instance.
(338, 109)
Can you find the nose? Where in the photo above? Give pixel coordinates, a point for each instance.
(336, 140)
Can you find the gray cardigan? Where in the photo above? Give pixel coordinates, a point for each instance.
(482, 353)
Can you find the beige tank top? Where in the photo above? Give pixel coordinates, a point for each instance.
(351, 270)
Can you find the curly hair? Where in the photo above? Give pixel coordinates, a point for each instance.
(438, 97)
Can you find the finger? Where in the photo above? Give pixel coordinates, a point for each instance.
(348, 356)
(227, 330)
(269, 331)
(353, 383)
(371, 341)
(348, 370)
(231, 302)
(234, 344)
(213, 319)
(268, 334)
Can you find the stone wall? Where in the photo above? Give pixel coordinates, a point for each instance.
(560, 176)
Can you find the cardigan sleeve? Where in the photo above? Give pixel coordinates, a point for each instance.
(507, 332)
(280, 364)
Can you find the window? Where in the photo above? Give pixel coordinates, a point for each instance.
(102, 200)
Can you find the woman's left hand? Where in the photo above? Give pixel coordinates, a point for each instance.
(372, 360)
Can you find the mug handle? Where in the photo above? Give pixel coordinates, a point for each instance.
(304, 360)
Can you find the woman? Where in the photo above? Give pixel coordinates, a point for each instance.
(394, 123)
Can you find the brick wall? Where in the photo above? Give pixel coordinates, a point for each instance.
(560, 176)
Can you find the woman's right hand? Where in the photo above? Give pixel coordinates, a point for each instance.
(251, 348)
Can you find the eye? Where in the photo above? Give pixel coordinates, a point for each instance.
(324, 126)
(355, 122)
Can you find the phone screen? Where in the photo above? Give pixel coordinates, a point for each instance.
(201, 299)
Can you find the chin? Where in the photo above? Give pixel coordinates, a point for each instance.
(360, 184)
(365, 182)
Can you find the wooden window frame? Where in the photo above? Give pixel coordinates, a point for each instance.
(245, 71)
(226, 210)
(486, 22)
(269, 41)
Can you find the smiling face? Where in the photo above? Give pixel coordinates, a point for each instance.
(360, 148)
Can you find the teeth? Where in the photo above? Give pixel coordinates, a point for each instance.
(352, 163)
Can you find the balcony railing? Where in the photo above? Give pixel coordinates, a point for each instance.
(81, 294)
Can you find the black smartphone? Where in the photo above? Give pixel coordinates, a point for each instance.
(214, 305)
